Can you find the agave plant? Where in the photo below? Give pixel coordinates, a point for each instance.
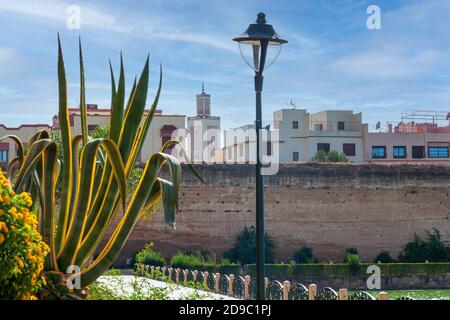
(94, 175)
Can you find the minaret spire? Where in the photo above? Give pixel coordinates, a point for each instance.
(203, 87)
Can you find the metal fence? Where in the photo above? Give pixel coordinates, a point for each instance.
(245, 288)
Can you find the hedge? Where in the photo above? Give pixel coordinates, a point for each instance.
(286, 271)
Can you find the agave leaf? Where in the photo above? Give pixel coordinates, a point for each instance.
(117, 106)
(19, 145)
(85, 191)
(34, 155)
(134, 114)
(66, 140)
(102, 210)
(76, 142)
(113, 84)
(12, 163)
(84, 125)
(139, 200)
(144, 129)
(191, 167)
(49, 176)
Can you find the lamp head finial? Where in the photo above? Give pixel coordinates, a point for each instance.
(261, 18)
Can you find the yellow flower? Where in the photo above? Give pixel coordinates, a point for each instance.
(2, 238)
(19, 262)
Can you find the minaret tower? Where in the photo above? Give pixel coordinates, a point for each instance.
(203, 103)
(204, 130)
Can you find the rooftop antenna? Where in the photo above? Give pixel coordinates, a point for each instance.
(292, 104)
(203, 87)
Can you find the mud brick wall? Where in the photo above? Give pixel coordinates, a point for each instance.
(327, 207)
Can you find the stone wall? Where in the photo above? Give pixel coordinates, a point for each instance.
(327, 207)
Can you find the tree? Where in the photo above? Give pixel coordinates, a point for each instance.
(433, 249)
(304, 255)
(244, 251)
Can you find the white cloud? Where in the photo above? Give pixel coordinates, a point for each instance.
(384, 64)
(98, 18)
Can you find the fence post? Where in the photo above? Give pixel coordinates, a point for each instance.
(217, 282)
(286, 288)
(170, 274)
(163, 269)
(230, 284)
(195, 275)
(177, 275)
(312, 291)
(205, 279)
(343, 294)
(383, 295)
(247, 280)
(185, 275)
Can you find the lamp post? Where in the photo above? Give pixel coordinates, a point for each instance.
(260, 36)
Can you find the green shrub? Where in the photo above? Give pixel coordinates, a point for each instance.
(244, 251)
(304, 255)
(433, 249)
(354, 263)
(320, 156)
(187, 261)
(351, 251)
(149, 257)
(384, 257)
(331, 156)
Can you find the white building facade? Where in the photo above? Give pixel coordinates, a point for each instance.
(297, 136)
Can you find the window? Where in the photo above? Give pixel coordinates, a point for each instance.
(294, 124)
(349, 149)
(399, 152)
(318, 127)
(269, 148)
(3, 156)
(341, 125)
(295, 156)
(438, 152)
(379, 152)
(323, 147)
(418, 152)
(4, 151)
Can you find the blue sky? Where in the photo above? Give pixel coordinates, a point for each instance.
(332, 60)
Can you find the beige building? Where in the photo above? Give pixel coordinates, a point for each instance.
(161, 128)
(301, 135)
(8, 149)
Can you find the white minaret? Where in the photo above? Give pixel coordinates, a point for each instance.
(204, 131)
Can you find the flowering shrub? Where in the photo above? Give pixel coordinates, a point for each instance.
(22, 251)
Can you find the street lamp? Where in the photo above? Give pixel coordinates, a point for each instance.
(259, 36)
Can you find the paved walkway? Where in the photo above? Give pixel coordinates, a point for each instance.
(124, 286)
